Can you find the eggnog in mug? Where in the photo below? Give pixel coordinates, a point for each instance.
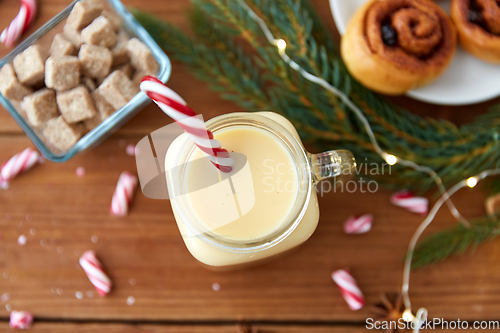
(266, 206)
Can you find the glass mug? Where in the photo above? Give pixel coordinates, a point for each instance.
(259, 221)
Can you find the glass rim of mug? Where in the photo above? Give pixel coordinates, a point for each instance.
(304, 181)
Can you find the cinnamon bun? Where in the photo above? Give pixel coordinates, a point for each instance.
(392, 46)
(478, 25)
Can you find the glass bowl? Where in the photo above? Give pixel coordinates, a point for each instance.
(119, 117)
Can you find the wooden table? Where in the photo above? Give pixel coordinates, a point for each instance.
(60, 214)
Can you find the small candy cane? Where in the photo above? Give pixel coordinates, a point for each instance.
(492, 204)
(130, 150)
(123, 194)
(349, 289)
(20, 319)
(95, 272)
(18, 164)
(20, 23)
(358, 225)
(410, 202)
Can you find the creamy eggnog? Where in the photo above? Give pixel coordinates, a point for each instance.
(265, 207)
(272, 178)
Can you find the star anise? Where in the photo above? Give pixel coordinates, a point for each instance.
(389, 309)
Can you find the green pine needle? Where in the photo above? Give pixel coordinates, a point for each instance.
(454, 241)
(230, 52)
(494, 185)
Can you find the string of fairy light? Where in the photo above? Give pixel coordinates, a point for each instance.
(421, 314)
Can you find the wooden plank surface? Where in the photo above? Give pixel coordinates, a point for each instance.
(66, 211)
(144, 253)
(229, 328)
(127, 328)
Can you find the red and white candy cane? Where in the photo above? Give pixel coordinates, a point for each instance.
(95, 272)
(176, 108)
(358, 225)
(20, 319)
(410, 202)
(18, 164)
(349, 289)
(124, 192)
(20, 23)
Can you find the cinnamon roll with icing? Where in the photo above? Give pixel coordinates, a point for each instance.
(392, 46)
(478, 25)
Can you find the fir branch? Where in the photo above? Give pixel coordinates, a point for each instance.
(258, 78)
(454, 241)
(494, 186)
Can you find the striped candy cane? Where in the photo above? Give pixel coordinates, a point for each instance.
(124, 192)
(492, 204)
(176, 108)
(358, 225)
(349, 289)
(20, 319)
(410, 202)
(95, 272)
(18, 164)
(20, 23)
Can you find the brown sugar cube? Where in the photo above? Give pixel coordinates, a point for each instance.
(62, 73)
(73, 35)
(122, 37)
(92, 123)
(113, 19)
(136, 79)
(103, 108)
(99, 32)
(89, 83)
(120, 52)
(83, 13)
(76, 105)
(30, 65)
(95, 60)
(40, 107)
(117, 89)
(103, 4)
(61, 46)
(100, 80)
(61, 134)
(141, 57)
(10, 86)
(127, 69)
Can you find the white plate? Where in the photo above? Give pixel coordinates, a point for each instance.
(468, 80)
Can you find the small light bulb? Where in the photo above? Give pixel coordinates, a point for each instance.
(408, 316)
(390, 159)
(471, 182)
(281, 44)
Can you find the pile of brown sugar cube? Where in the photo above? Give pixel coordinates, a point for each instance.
(92, 69)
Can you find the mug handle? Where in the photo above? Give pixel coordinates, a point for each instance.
(331, 164)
